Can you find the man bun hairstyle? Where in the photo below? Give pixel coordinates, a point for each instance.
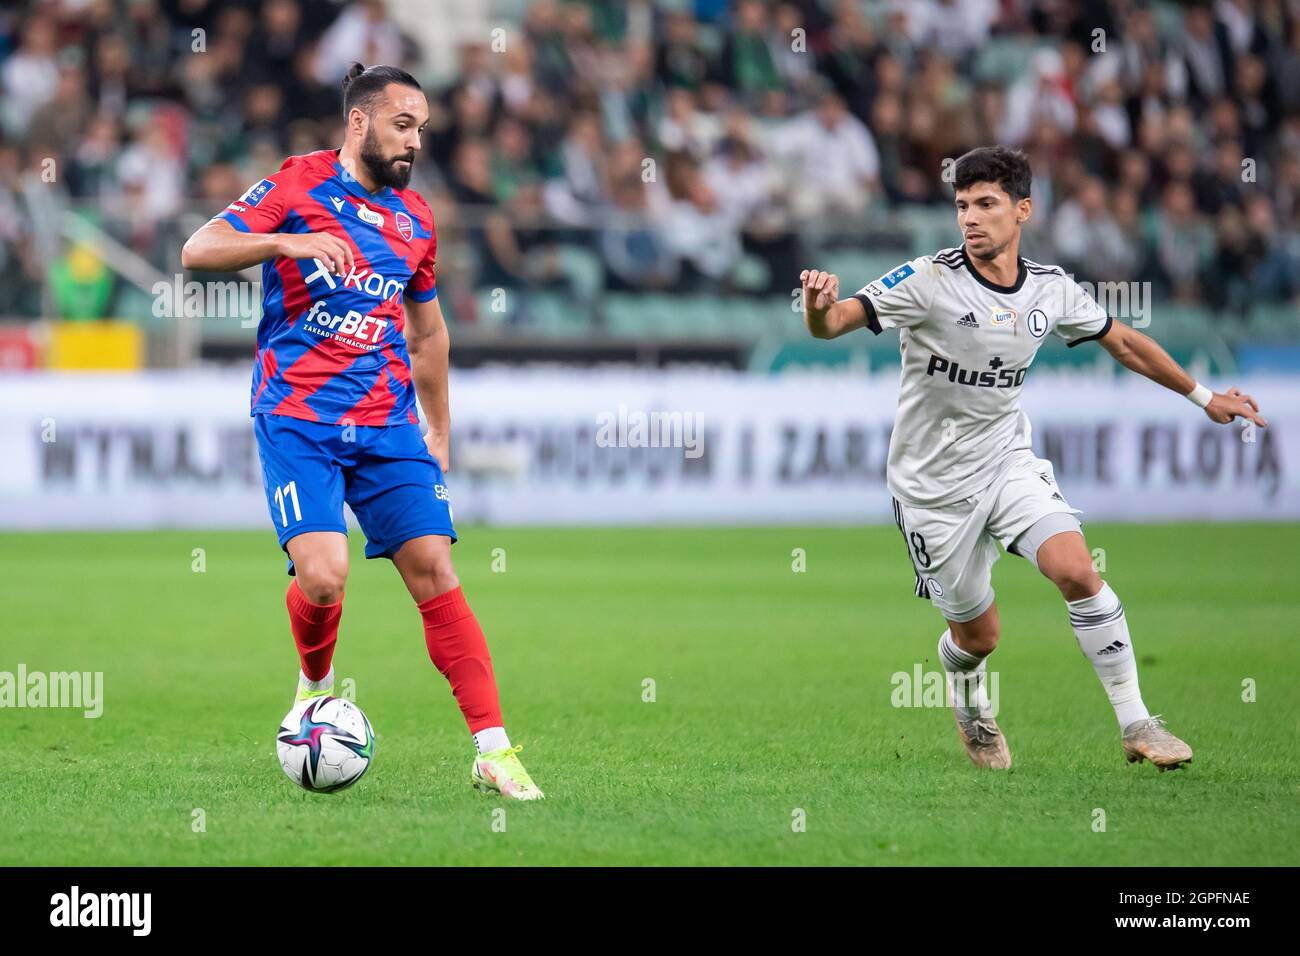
(362, 87)
(1009, 168)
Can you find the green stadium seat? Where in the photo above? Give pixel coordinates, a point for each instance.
(623, 315)
(584, 269)
(1004, 59)
(680, 317)
(557, 314)
(750, 273)
(856, 268)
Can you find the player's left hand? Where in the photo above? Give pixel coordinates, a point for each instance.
(1234, 403)
(438, 448)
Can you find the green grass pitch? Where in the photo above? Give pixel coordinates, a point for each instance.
(772, 705)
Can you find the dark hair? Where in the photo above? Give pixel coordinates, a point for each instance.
(362, 87)
(1009, 168)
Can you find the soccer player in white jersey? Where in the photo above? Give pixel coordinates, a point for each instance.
(961, 470)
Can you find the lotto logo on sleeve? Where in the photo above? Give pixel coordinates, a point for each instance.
(257, 193)
(898, 275)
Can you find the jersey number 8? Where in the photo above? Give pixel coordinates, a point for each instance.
(918, 549)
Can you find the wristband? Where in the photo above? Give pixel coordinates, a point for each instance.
(1200, 395)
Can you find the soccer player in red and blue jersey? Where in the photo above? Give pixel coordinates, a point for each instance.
(351, 336)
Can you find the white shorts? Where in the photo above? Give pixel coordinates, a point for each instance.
(953, 547)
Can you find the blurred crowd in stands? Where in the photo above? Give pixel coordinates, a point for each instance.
(680, 141)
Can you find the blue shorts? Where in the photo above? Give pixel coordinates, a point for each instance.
(384, 472)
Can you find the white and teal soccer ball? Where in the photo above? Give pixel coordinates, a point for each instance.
(325, 744)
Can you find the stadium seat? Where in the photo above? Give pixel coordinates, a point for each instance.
(584, 269)
(858, 267)
(624, 316)
(1004, 59)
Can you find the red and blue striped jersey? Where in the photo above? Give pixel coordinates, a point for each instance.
(331, 348)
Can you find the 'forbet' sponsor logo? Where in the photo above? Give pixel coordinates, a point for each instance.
(134, 910)
(363, 331)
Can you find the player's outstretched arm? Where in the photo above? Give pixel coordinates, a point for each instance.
(1144, 355)
(219, 247)
(429, 346)
(825, 317)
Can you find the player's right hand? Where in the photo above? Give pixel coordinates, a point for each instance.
(1226, 406)
(821, 290)
(331, 250)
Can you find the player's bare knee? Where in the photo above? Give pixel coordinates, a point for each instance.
(1064, 559)
(984, 642)
(1077, 579)
(437, 572)
(980, 639)
(322, 580)
(443, 577)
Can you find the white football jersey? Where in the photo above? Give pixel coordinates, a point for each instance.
(967, 344)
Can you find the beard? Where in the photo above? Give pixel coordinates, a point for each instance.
(989, 254)
(384, 169)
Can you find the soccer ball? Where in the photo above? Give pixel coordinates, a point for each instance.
(325, 744)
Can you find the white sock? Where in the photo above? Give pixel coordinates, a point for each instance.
(965, 678)
(1102, 632)
(324, 682)
(491, 738)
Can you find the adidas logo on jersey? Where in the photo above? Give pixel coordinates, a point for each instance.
(967, 321)
(1114, 648)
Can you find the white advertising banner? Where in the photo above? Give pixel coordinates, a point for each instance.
(632, 447)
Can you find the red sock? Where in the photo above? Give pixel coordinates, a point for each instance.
(315, 628)
(459, 651)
